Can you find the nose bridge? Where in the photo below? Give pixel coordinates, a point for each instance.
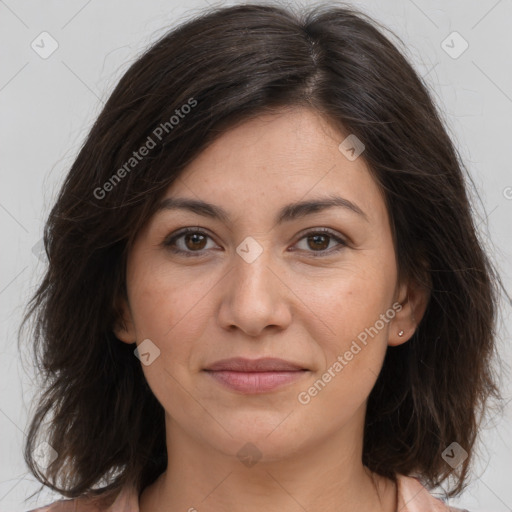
(252, 269)
(254, 297)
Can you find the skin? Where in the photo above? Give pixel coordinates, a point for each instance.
(287, 303)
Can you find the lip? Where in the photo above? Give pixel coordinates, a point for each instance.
(252, 376)
(264, 364)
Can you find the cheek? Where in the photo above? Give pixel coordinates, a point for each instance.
(171, 314)
(164, 301)
(353, 345)
(349, 301)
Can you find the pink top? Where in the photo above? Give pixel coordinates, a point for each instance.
(412, 497)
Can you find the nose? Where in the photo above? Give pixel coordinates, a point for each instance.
(255, 297)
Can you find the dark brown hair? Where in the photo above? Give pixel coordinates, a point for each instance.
(229, 65)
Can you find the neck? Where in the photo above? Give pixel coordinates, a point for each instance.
(316, 477)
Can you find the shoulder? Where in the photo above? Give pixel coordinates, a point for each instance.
(126, 501)
(58, 506)
(414, 497)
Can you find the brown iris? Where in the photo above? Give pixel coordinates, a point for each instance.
(196, 241)
(316, 237)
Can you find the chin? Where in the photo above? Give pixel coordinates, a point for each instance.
(257, 440)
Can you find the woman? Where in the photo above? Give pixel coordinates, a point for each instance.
(265, 287)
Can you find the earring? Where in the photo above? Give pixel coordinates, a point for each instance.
(401, 333)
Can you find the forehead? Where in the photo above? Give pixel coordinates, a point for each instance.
(261, 164)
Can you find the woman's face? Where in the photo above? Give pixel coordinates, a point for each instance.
(250, 284)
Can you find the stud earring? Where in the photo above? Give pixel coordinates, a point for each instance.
(401, 333)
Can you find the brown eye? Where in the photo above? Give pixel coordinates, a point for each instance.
(194, 241)
(188, 242)
(319, 242)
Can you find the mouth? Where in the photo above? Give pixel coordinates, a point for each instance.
(257, 375)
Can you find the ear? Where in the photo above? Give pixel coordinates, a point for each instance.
(123, 325)
(414, 298)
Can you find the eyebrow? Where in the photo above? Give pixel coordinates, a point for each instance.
(286, 214)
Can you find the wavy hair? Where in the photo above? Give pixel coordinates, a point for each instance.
(231, 64)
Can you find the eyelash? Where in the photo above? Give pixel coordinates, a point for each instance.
(170, 241)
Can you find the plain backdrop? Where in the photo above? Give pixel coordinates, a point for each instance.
(49, 102)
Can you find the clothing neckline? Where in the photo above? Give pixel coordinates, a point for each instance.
(411, 496)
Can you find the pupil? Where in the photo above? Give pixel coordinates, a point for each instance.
(194, 242)
(316, 237)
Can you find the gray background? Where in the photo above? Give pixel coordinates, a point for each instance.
(49, 104)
